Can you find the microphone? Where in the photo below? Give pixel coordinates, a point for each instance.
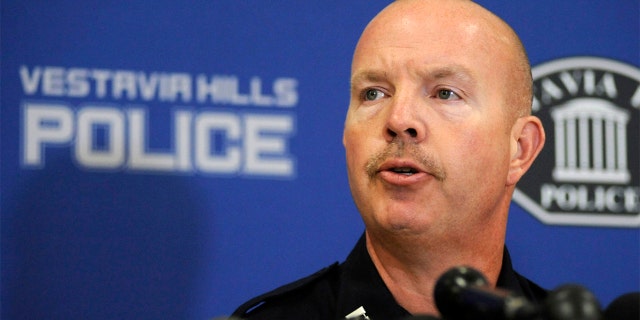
(624, 307)
(572, 302)
(463, 293)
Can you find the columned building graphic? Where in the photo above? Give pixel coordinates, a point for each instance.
(590, 142)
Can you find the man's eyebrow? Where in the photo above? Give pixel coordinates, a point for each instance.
(367, 76)
(455, 72)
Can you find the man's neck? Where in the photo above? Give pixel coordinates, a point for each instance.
(410, 267)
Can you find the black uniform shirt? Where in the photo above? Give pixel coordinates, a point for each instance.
(336, 291)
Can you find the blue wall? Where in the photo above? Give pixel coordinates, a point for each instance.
(114, 204)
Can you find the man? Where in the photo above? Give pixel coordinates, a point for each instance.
(437, 134)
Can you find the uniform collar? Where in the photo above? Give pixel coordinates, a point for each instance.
(362, 286)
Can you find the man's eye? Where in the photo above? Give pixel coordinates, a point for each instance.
(372, 94)
(446, 94)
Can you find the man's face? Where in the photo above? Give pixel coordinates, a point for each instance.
(426, 135)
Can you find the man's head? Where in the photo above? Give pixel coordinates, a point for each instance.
(438, 128)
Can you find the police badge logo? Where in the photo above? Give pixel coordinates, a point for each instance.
(588, 172)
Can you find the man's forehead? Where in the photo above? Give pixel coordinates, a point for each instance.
(402, 30)
(432, 19)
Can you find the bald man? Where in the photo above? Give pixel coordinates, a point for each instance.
(438, 133)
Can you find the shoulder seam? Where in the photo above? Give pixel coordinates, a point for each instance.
(246, 308)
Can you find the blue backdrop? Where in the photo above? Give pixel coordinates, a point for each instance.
(170, 160)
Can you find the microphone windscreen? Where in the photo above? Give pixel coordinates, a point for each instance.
(624, 307)
(448, 292)
(572, 302)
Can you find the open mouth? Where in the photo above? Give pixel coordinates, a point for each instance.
(407, 171)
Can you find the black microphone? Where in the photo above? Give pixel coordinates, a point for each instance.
(421, 317)
(463, 293)
(571, 302)
(624, 307)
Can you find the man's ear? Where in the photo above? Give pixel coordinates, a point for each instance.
(527, 141)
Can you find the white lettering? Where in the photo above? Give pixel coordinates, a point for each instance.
(265, 146)
(286, 91)
(210, 142)
(174, 85)
(139, 156)
(632, 199)
(183, 140)
(223, 157)
(101, 77)
(88, 153)
(550, 91)
(587, 198)
(570, 82)
(168, 87)
(30, 82)
(77, 83)
(613, 196)
(635, 99)
(589, 82)
(44, 124)
(124, 82)
(53, 82)
(607, 85)
(256, 93)
(148, 85)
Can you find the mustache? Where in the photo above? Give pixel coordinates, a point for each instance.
(401, 149)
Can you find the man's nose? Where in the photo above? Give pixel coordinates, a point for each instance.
(405, 121)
